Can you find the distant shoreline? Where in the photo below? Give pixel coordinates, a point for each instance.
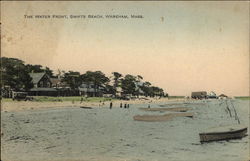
(10, 106)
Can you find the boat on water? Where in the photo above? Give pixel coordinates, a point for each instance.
(223, 133)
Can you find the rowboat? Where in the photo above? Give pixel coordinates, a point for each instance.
(176, 109)
(223, 133)
(157, 118)
(85, 107)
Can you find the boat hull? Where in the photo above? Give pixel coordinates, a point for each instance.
(216, 136)
(175, 109)
(166, 117)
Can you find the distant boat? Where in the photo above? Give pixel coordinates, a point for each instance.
(223, 133)
(176, 109)
(157, 118)
(85, 107)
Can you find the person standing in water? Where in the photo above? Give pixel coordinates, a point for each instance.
(111, 104)
(120, 105)
(125, 105)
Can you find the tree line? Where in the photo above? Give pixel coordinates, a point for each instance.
(15, 74)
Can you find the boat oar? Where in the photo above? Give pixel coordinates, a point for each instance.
(228, 109)
(235, 113)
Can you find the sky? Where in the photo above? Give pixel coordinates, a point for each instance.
(178, 46)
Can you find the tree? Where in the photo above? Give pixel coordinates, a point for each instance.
(117, 80)
(48, 71)
(128, 84)
(73, 79)
(97, 78)
(38, 69)
(139, 78)
(139, 85)
(34, 68)
(15, 74)
(146, 88)
(156, 91)
(147, 84)
(109, 89)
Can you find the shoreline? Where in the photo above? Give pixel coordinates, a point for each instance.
(14, 106)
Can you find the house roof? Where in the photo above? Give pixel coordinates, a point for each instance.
(222, 95)
(36, 77)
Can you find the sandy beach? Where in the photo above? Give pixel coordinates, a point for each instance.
(33, 105)
(63, 131)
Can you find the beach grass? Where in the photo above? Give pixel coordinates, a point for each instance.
(6, 99)
(243, 97)
(175, 97)
(71, 98)
(63, 99)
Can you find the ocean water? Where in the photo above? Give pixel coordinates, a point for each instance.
(112, 134)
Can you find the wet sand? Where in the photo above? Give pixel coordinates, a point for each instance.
(103, 134)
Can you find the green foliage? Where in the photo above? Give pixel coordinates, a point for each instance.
(73, 79)
(7, 100)
(48, 71)
(243, 97)
(110, 89)
(146, 88)
(157, 91)
(97, 78)
(128, 84)
(139, 78)
(117, 81)
(175, 97)
(34, 68)
(38, 69)
(15, 74)
(152, 90)
(117, 75)
(65, 99)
